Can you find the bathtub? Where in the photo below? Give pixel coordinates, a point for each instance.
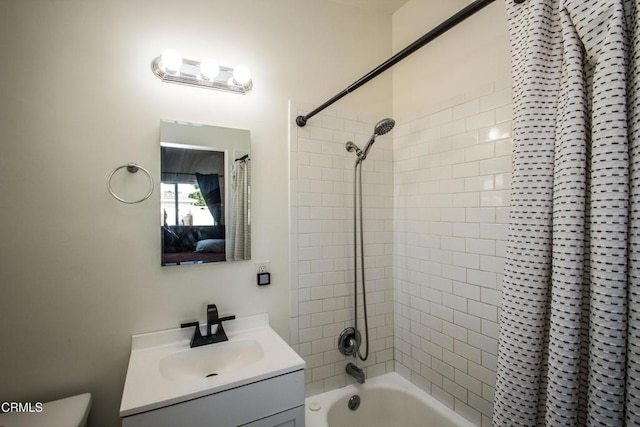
(388, 400)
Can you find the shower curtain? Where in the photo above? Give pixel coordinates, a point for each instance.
(569, 350)
(210, 189)
(239, 224)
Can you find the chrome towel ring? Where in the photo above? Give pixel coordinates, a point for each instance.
(133, 168)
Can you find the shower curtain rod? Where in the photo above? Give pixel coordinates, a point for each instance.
(431, 35)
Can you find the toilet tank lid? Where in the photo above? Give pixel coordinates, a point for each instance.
(70, 411)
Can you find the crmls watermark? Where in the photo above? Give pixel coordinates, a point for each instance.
(20, 407)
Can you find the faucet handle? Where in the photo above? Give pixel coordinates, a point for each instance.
(197, 335)
(189, 324)
(225, 318)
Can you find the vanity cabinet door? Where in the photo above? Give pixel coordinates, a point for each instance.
(238, 406)
(291, 418)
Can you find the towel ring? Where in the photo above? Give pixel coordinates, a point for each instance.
(133, 168)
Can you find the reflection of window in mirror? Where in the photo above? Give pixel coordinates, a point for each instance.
(185, 174)
(183, 204)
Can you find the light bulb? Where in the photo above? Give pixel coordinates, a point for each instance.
(241, 75)
(209, 68)
(171, 60)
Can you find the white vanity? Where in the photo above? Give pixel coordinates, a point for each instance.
(254, 379)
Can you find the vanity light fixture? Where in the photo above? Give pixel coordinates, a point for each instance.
(173, 68)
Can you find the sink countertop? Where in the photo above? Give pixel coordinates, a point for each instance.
(146, 388)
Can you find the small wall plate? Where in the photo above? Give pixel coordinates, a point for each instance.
(264, 279)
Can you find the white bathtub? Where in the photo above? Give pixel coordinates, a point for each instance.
(388, 400)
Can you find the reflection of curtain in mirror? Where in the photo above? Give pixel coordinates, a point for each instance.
(210, 189)
(238, 226)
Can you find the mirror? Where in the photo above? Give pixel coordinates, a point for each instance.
(205, 187)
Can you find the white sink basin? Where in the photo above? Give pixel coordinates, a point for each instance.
(210, 360)
(163, 370)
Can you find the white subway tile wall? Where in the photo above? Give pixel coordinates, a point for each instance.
(437, 193)
(321, 244)
(452, 179)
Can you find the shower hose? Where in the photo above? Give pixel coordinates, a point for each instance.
(357, 184)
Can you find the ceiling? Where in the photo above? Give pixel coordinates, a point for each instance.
(386, 6)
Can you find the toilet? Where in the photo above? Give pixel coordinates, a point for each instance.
(69, 412)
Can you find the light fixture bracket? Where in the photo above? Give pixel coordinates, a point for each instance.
(189, 74)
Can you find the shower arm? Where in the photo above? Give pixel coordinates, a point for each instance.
(445, 26)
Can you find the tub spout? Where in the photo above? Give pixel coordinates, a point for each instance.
(355, 372)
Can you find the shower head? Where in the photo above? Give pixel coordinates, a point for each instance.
(384, 126)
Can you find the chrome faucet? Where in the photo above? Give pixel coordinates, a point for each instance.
(355, 372)
(212, 336)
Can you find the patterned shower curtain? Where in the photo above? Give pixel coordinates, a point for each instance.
(569, 351)
(239, 221)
